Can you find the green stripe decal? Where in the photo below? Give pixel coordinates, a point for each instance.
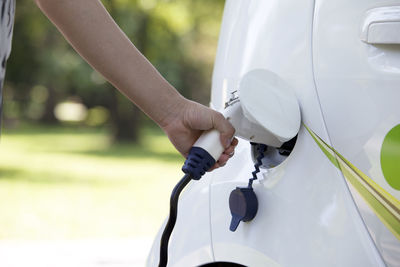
(385, 206)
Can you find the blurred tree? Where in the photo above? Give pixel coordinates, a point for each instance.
(178, 36)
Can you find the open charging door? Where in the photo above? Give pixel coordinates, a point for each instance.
(268, 112)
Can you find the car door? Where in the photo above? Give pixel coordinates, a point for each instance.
(356, 59)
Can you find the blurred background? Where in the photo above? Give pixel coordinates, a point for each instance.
(85, 177)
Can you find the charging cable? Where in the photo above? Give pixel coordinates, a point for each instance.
(173, 210)
(197, 163)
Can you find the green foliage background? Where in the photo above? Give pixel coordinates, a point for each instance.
(69, 183)
(178, 36)
(72, 180)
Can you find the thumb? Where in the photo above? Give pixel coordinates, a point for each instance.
(225, 128)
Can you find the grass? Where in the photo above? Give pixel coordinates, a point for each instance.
(72, 183)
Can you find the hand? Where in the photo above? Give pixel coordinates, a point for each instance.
(189, 121)
(90, 31)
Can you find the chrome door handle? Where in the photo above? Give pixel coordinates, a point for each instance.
(381, 26)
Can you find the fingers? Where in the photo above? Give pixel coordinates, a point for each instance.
(229, 151)
(226, 155)
(199, 117)
(225, 128)
(234, 142)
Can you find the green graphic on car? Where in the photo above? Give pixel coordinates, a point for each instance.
(390, 157)
(384, 205)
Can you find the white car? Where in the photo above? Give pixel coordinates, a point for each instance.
(331, 197)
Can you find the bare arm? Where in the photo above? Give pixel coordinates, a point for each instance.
(90, 29)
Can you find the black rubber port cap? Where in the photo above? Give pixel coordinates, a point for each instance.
(243, 205)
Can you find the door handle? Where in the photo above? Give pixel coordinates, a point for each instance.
(381, 26)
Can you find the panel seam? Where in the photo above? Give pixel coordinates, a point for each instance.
(339, 172)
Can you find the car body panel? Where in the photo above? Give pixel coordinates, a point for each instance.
(305, 217)
(308, 214)
(359, 89)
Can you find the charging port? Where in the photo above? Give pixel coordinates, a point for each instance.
(273, 156)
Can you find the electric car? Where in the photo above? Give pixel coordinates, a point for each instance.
(330, 196)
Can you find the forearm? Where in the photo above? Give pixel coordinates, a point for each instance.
(96, 37)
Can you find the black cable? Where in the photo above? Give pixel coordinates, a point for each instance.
(260, 149)
(173, 210)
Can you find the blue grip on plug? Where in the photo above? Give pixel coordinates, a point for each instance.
(198, 162)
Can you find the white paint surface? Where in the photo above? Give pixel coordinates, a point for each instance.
(74, 253)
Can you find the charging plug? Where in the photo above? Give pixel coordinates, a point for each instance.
(198, 162)
(203, 155)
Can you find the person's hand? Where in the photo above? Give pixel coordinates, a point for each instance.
(189, 121)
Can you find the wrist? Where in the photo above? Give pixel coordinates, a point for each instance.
(173, 110)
